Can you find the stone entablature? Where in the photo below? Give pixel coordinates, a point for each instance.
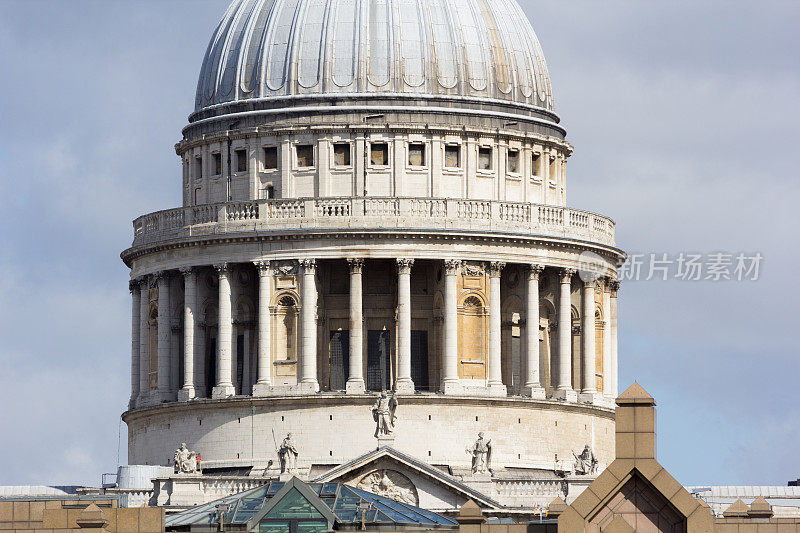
(359, 212)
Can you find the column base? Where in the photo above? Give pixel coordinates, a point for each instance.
(186, 394)
(355, 386)
(568, 395)
(404, 387)
(534, 392)
(162, 396)
(452, 387)
(497, 389)
(223, 391)
(590, 397)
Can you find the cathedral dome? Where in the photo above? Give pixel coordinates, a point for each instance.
(429, 49)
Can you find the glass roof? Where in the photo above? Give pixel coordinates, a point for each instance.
(346, 502)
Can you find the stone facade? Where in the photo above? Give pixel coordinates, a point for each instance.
(336, 244)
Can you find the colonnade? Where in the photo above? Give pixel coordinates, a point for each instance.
(143, 392)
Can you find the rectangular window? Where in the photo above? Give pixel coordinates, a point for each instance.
(217, 164)
(416, 155)
(270, 158)
(379, 154)
(341, 154)
(484, 158)
(536, 165)
(241, 160)
(305, 155)
(513, 161)
(452, 156)
(198, 167)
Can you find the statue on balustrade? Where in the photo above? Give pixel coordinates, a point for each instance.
(185, 461)
(288, 454)
(383, 412)
(481, 453)
(586, 462)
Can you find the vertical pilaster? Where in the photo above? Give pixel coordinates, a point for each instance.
(450, 381)
(564, 389)
(308, 362)
(614, 342)
(144, 344)
(495, 371)
(136, 309)
(404, 382)
(224, 386)
(355, 380)
(264, 381)
(188, 392)
(533, 385)
(589, 389)
(164, 334)
(607, 379)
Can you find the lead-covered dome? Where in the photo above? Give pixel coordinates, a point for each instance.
(443, 48)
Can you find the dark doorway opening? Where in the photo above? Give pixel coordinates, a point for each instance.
(378, 364)
(340, 359)
(419, 359)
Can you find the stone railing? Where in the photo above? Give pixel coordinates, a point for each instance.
(195, 489)
(373, 213)
(132, 497)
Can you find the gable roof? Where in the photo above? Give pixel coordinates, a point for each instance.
(418, 467)
(305, 491)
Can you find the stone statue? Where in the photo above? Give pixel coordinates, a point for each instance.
(481, 453)
(383, 412)
(586, 462)
(288, 454)
(185, 461)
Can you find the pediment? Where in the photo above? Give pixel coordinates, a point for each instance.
(390, 473)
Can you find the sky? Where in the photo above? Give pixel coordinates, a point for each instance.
(685, 119)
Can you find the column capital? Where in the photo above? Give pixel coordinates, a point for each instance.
(404, 265)
(356, 265)
(566, 274)
(135, 284)
(496, 268)
(591, 283)
(188, 271)
(264, 267)
(222, 268)
(452, 266)
(614, 285)
(534, 271)
(309, 265)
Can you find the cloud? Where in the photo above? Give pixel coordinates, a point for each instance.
(684, 119)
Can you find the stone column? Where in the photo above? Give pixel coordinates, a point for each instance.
(450, 381)
(224, 387)
(136, 309)
(355, 380)
(404, 384)
(614, 344)
(564, 389)
(607, 340)
(263, 384)
(495, 371)
(144, 341)
(308, 357)
(533, 385)
(164, 334)
(188, 392)
(589, 390)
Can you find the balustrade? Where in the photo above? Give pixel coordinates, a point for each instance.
(405, 213)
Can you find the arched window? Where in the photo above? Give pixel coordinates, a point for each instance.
(472, 338)
(285, 335)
